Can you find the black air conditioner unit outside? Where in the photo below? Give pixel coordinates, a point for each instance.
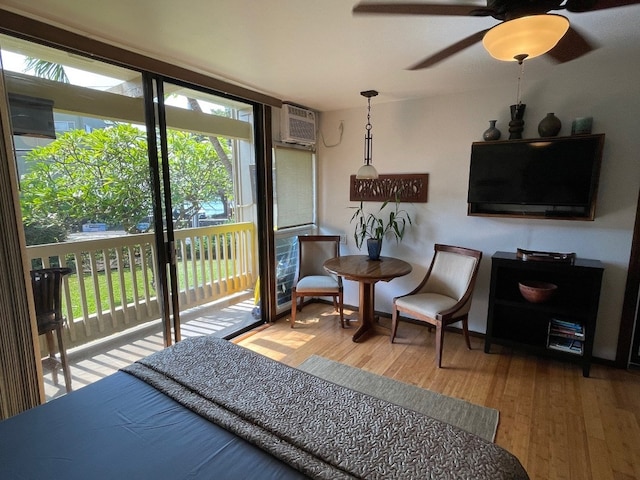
(32, 116)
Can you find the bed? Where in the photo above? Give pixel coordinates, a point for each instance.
(207, 408)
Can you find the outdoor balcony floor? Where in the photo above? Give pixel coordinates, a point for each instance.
(91, 363)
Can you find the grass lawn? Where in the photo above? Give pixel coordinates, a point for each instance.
(74, 288)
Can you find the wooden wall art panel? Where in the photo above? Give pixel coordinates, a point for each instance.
(410, 187)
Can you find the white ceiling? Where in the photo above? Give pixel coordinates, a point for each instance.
(316, 52)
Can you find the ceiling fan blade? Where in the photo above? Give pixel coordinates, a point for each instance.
(450, 50)
(570, 47)
(422, 9)
(578, 6)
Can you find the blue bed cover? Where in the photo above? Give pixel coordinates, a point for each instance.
(122, 428)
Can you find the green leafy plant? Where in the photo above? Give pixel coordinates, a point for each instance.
(103, 176)
(377, 225)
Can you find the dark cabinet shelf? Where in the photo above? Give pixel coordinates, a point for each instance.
(563, 327)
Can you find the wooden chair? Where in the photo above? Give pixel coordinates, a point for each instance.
(444, 295)
(311, 278)
(47, 295)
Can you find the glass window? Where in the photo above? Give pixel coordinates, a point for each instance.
(294, 204)
(86, 183)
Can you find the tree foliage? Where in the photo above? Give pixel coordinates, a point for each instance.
(44, 69)
(197, 173)
(104, 176)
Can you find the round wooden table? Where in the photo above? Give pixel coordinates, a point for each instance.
(367, 273)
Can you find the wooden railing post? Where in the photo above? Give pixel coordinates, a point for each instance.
(215, 262)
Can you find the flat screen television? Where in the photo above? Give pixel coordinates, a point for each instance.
(536, 176)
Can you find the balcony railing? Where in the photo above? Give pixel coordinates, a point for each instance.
(113, 287)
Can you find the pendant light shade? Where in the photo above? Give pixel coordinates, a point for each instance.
(525, 37)
(367, 170)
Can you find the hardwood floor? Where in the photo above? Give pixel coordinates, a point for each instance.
(559, 424)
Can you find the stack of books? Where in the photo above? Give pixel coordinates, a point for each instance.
(566, 336)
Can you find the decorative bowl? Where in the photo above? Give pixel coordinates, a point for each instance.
(536, 291)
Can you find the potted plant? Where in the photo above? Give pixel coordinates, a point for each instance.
(373, 227)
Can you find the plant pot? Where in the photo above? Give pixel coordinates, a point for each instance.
(373, 247)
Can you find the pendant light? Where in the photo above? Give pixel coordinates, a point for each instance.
(367, 170)
(527, 37)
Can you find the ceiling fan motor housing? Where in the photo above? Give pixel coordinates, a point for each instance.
(510, 9)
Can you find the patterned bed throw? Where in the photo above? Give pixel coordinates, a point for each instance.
(324, 430)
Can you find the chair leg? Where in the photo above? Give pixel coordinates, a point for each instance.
(51, 362)
(394, 323)
(439, 342)
(63, 360)
(465, 330)
(294, 307)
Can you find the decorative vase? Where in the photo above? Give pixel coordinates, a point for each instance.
(491, 133)
(516, 125)
(373, 247)
(549, 126)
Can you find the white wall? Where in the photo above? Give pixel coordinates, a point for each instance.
(434, 135)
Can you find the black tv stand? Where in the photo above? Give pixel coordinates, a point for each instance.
(562, 328)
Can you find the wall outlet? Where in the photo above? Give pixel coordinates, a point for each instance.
(343, 238)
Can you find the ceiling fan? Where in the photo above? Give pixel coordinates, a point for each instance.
(571, 46)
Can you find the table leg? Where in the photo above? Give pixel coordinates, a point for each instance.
(366, 309)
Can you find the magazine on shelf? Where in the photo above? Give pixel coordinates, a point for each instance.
(565, 345)
(565, 336)
(565, 328)
(561, 332)
(566, 323)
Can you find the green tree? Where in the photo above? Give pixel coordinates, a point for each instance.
(223, 154)
(103, 176)
(197, 173)
(44, 69)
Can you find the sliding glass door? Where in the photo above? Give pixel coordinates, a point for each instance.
(85, 191)
(205, 153)
(146, 190)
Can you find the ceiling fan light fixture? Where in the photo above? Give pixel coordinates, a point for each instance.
(530, 36)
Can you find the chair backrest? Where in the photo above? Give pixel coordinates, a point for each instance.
(313, 251)
(47, 295)
(453, 271)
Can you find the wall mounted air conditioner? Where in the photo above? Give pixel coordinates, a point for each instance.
(297, 125)
(32, 116)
